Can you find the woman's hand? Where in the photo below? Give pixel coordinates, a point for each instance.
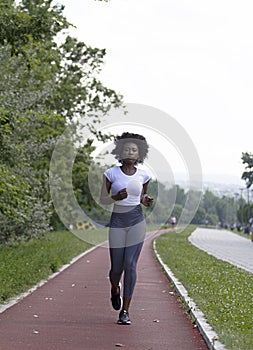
(146, 200)
(122, 194)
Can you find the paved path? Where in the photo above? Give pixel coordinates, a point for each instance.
(72, 312)
(226, 246)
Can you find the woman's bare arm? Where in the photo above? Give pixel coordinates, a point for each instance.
(145, 199)
(105, 197)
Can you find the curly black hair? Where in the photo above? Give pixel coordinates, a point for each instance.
(139, 140)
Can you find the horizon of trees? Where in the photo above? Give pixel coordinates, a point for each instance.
(214, 210)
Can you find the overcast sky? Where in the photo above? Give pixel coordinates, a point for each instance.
(191, 59)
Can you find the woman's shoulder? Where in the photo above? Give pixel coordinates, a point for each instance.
(145, 173)
(142, 170)
(112, 170)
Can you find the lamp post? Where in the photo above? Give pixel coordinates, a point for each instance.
(241, 207)
(248, 205)
(236, 207)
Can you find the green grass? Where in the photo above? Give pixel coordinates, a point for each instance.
(224, 293)
(25, 264)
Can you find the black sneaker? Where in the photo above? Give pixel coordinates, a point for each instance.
(124, 318)
(116, 300)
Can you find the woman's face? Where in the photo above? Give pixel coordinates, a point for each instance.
(130, 152)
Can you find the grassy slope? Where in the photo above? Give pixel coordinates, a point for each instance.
(223, 292)
(25, 264)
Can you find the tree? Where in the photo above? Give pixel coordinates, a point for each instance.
(247, 158)
(178, 193)
(212, 219)
(44, 86)
(209, 202)
(199, 217)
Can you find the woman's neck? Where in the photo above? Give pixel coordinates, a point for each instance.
(128, 169)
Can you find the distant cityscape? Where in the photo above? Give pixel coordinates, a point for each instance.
(219, 185)
(226, 185)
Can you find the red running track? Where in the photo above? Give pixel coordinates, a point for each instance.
(73, 312)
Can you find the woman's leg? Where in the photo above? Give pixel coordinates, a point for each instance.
(131, 257)
(117, 265)
(117, 238)
(136, 235)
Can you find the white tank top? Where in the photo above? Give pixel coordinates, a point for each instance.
(133, 183)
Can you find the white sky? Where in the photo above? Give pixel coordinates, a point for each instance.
(192, 59)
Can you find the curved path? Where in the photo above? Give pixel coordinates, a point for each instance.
(72, 312)
(225, 245)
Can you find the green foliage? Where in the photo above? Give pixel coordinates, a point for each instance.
(211, 208)
(222, 291)
(29, 23)
(200, 216)
(219, 209)
(245, 212)
(45, 84)
(211, 219)
(247, 158)
(209, 202)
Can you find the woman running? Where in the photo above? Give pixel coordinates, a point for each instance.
(126, 187)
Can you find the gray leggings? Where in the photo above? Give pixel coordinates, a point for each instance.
(125, 259)
(126, 235)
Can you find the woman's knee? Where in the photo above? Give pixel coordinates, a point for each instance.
(115, 272)
(130, 269)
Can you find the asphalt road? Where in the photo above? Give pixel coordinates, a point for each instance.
(225, 245)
